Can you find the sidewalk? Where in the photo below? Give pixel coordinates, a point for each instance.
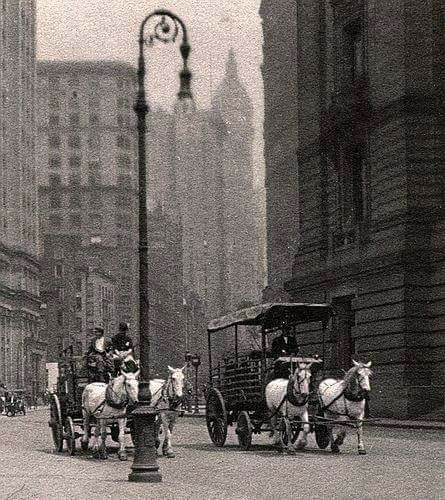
(375, 422)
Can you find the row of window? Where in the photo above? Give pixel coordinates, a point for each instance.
(74, 141)
(75, 121)
(94, 100)
(75, 162)
(94, 199)
(94, 178)
(93, 84)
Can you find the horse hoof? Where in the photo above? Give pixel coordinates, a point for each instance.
(169, 454)
(122, 457)
(362, 452)
(96, 454)
(335, 449)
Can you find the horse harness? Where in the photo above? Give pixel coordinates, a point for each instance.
(173, 401)
(348, 395)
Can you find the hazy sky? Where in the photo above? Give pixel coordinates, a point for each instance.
(108, 29)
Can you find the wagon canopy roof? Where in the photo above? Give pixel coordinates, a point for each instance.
(272, 315)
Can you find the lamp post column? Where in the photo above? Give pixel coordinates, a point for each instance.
(145, 467)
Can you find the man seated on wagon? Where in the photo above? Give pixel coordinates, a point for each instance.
(99, 362)
(283, 345)
(122, 346)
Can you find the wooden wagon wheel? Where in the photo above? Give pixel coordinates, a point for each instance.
(70, 436)
(295, 428)
(56, 423)
(244, 430)
(216, 417)
(321, 431)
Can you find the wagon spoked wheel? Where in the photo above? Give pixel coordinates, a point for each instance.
(295, 428)
(70, 436)
(321, 432)
(244, 430)
(216, 417)
(56, 423)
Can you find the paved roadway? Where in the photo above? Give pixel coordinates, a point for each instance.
(403, 464)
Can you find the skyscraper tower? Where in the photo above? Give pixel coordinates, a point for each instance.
(233, 106)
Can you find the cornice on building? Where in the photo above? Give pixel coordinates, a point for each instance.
(109, 68)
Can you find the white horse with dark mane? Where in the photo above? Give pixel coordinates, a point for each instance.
(166, 396)
(287, 399)
(344, 400)
(108, 404)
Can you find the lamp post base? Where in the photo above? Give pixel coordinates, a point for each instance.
(145, 468)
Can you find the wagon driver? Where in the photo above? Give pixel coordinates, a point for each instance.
(122, 346)
(99, 363)
(283, 345)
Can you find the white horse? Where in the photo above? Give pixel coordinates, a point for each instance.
(287, 400)
(108, 404)
(344, 400)
(166, 396)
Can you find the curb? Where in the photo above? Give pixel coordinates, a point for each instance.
(407, 424)
(388, 423)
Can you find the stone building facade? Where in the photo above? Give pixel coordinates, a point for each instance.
(22, 347)
(358, 95)
(78, 295)
(87, 158)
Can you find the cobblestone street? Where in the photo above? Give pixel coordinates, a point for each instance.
(400, 464)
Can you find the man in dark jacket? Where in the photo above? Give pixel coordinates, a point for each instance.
(283, 345)
(122, 346)
(98, 357)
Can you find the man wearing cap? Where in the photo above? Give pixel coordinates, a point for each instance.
(283, 345)
(98, 357)
(122, 346)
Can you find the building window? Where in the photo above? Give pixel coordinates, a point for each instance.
(55, 221)
(54, 162)
(74, 141)
(54, 200)
(74, 162)
(54, 141)
(94, 142)
(58, 270)
(75, 221)
(96, 223)
(75, 200)
(352, 192)
(123, 162)
(96, 200)
(94, 119)
(60, 317)
(53, 121)
(53, 102)
(74, 179)
(74, 120)
(54, 180)
(353, 53)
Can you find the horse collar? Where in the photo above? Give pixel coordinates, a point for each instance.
(295, 399)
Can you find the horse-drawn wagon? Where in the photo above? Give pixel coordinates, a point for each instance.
(240, 386)
(66, 413)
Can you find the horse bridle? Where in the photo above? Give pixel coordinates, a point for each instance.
(296, 380)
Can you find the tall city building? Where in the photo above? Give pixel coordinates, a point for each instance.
(354, 161)
(86, 157)
(200, 163)
(22, 350)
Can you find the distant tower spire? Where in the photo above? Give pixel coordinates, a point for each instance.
(231, 66)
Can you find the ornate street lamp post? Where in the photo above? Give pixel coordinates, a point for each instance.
(165, 28)
(196, 361)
